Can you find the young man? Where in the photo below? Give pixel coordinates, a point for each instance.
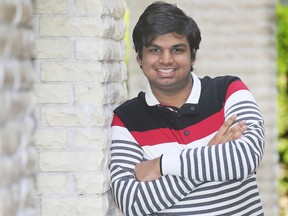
(174, 150)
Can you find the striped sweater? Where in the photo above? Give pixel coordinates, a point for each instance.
(197, 179)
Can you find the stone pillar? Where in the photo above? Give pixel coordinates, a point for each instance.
(18, 158)
(238, 38)
(80, 79)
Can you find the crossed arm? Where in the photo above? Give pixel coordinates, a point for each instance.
(134, 182)
(151, 170)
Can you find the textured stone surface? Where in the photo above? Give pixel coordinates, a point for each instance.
(18, 157)
(81, 74)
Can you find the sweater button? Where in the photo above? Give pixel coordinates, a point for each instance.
(186, 132)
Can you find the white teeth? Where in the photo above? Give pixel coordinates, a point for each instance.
(163, 70)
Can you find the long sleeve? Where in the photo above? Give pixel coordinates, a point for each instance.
(198, 179)
(234, 160)
(140, 198)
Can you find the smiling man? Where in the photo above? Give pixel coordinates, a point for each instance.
(166, 63)
(188, 145)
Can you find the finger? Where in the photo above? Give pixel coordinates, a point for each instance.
(227, 124)
(232, 130)
(236, 131)
(238, 134)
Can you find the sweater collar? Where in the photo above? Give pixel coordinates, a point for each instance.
(193, 98)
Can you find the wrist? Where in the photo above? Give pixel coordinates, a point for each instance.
(171, 164)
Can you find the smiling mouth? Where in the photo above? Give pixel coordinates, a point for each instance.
(166, 72)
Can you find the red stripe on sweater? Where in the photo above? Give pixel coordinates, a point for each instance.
(196, 132)
(117, 121)
(235, 86)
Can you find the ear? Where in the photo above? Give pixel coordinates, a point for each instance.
(139, 60)
(193, 54)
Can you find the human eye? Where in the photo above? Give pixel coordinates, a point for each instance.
(178, 50)
(154, 50)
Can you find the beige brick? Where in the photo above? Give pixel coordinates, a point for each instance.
(1, 204)
(26, 75)
(51, 6)
(10, 171)
(8, 74)
(71, 26)
(114, 29)
(115, 8)
(100, 50)
(29, 161)
(71, 71)
(15, 105)
(53, 48)
(3, 41)
(9, 139)
(90, 49)
(92, 71)
(91, 138)
(29, 196)
(71, 161)
(89, 94)
(14, 168)
(9, 200)
(86, 115)
(92, 183)
(16, 12)
(1, 144)
(239, 41)
(16, 42)
(21, 193)
(256, 4)
(7, 11)
(53, 93)
(75, 206)
(117, 93)
(51, 183)
(89, 7)
(119, 72)
(50, 139)
(24, 14)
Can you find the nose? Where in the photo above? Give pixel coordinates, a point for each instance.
(166, 57)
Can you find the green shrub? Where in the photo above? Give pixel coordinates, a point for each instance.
(282, 64)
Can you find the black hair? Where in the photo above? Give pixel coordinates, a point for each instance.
(160, 18)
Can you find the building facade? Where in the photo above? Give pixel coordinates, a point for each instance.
(62, 72)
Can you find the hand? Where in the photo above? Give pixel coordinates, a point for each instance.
(148, 170)
(227, 133)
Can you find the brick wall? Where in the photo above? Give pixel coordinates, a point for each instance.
(81, 76)
(18, 158)
(79, 52)
(238, 38)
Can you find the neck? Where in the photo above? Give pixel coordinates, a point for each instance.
(174, 98)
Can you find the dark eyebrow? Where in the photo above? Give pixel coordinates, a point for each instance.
(153, 45)
(174, 46)
(180, 45)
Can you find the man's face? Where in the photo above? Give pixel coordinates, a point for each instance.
(167, 62)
